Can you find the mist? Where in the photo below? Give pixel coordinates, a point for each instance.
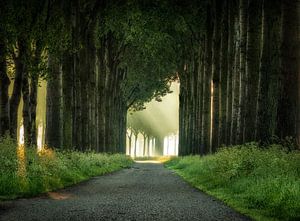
(154, 130)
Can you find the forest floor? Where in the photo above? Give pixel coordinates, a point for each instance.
(146, 191)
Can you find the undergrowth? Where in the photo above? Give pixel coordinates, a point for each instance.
(261, 183)
(26, 172)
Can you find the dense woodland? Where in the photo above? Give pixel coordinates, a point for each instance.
(237, 62)
(241, 84)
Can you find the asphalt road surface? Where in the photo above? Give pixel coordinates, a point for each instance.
(147, 191)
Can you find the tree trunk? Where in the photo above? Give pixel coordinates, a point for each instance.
(242, 69)
(231, 69)
(67, 100)
(206, 118)
(4, 97)
(216, 75)
(159, 146)
(288, 107)
(235, 79)
(34, 80)
(252, 67)
(135, 143)
(101, 96)
(269, 70)
(200, 98)
(144, 144)
(182, 114)
(53, 111)
(20, 65)
(223, 75)
(129, 135)
(26, 109)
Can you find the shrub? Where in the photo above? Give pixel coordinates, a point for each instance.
(26, 172)
(263, 183)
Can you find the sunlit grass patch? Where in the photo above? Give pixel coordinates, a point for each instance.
(26, 172)
(262, 183)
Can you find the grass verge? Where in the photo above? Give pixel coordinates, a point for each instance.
(24, 172)
(261, 183)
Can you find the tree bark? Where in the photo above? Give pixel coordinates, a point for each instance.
(53, 111)
(288, 107)
(252, 67)
(34, 81)
(235, 79)
(269, 70)
(26, 109)
(20, 65)
(216, 75)
(206, 117)
(4, 97)
(231, 68)
(67, 100)
(223, 75)
(242, 68)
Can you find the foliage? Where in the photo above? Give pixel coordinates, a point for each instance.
(262, 183)
(151, 37)
(24, 172)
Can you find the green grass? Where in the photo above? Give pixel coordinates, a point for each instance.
(26, 173)
(261, 183)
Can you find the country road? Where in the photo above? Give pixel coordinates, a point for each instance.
(147, 191)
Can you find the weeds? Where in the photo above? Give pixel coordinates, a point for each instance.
(24, 172)
(262, 183)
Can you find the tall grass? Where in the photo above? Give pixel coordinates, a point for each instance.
(262, 183)
(24, 172)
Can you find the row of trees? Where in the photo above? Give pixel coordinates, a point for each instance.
(100, 59)
(25, 35)
(241, 81)
(237, 61)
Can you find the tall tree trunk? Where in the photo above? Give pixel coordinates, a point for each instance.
(20, 65)
(4, 85)
(53, 111)
(83, 71)
(252, 67)
(230, 72)
(235, 79)
(200, 98)
(242, 60)
(101, 96)
(182, 114)
(298, 96)
(223, 75)
(26, 109)
(269, 70)
(34, 80)
(206, 118)
(33, 106)
(216, 75)
(67, 100)
(288, 107)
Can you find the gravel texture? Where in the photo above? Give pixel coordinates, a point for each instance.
(146, 191)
